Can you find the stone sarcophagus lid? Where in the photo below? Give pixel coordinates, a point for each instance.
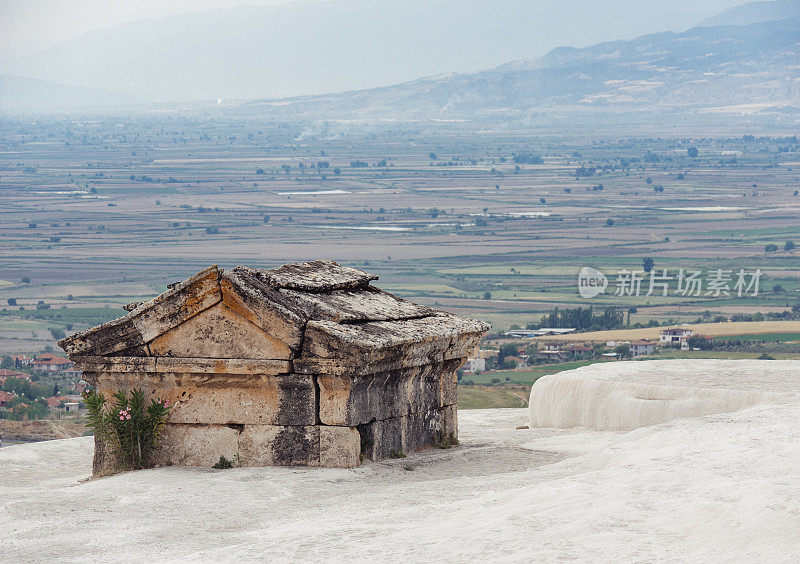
(307, 364)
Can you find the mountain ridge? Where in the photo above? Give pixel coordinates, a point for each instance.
(755, 12)
(735, 69)
(309, 47)
(708, 69)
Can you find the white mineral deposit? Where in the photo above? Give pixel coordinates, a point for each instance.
(714, 480)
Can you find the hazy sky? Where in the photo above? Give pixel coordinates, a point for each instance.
(27, 26)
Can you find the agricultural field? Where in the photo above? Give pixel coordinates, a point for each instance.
(491, 223)
(771, 337)
(487, 397)
(525, 376)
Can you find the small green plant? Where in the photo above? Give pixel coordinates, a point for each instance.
(408, 467)
(129, 427)
(223, 464)
(366, 447)
(396, 454)
(446, 441)
(366, 444)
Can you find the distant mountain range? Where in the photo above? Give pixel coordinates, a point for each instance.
(726, 68)
(756, 12)
(747, 67)
(312, 47)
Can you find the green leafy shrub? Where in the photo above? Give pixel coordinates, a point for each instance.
(129, 427)
(223, 464)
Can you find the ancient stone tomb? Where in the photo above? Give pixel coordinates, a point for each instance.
(307, 364)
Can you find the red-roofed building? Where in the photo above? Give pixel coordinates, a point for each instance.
(20, 409)
(553, 354)
(518, 361)
(65, 403)
(52, 363)
(55, 401)
(4, 374)
(579, 350)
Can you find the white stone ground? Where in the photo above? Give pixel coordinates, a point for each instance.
(723, 487)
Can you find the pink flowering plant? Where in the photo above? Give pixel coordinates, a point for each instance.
(130, 427)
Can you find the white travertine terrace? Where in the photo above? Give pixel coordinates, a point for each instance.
(622, 396)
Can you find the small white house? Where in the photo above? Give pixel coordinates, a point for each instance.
(475, 365)
(641, 348)
(676, 335)
(71, 406)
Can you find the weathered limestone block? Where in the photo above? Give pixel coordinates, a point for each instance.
(330, 447)
(182, 302)
(273, 400)
(316, 276)
(96, 364)
(150, 319)
(357, 305)
(380, 439)
(339, 447)
(109, 338)
(300, 302)
(245, 294)
(259, 293)
(105, 462)
(271, 445)
(366, 348)
(351, 401)
(288, 399)
(267, 367)
(219, 332)
(448, 383)
(408, 433)
(196, 445)
(93, 365)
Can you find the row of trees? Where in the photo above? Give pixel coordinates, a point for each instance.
(582, 319)
(29, 402)
(20, 409)
(788, 246)
(28, 389)
(789, 315)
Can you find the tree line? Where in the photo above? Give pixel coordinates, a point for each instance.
(582, 319)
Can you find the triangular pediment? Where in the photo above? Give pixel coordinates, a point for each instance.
(219, 332)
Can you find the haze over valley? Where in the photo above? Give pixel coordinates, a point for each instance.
(608, 190)
(311, 47)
